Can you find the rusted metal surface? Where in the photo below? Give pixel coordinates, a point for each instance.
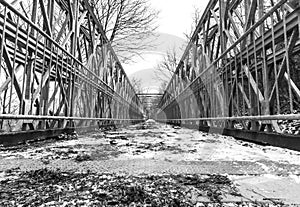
(240, 71)
(57, 64)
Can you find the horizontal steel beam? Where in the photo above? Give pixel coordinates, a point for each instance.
(150, 94)
(40, 117)
(14, 138)
(257, 118)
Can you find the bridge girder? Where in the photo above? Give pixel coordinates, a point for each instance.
(58, 69)
(239, 70)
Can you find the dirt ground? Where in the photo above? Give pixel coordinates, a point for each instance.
(148, 164)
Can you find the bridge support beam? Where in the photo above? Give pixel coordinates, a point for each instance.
(245, 56)
(60, 66)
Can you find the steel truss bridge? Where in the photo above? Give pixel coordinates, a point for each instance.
(239, 74)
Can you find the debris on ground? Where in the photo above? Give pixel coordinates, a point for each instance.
(83, 157)
(66, 136)
(160, 146)
(116, 135)
(55, 188)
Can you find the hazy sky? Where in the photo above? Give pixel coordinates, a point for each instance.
(176, 15)
(175, 18)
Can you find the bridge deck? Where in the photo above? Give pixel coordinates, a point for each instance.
(262, 173)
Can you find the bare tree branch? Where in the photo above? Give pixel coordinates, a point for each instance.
(197, 13)
(127, 24)
(166, 68)
(137, 84)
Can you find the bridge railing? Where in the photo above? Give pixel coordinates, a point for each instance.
(240, 72)
(59, 72)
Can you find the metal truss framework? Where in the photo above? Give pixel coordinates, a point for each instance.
(58, 70)
(150, 102)
(240, 71)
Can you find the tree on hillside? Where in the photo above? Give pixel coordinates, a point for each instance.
(127, 24)
(166, 68)
(163, 87)
(136, 84)
(196, 15)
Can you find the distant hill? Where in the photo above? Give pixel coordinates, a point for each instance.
(164, 42)
(149, 78)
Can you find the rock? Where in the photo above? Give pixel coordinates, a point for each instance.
(116, 136)
(45, 161)
(245, 144)
(192, 150)
(73, 135)
(61, 136)
(83, 157)
(170, 135)
(113, 142)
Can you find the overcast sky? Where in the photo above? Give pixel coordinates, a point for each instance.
(176, 15)
(175, 18)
